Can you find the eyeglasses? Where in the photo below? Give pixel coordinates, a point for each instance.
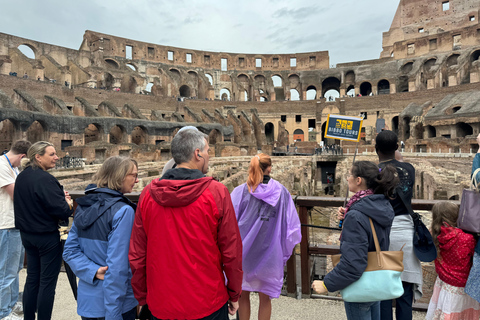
(347, 175)
(135, 175)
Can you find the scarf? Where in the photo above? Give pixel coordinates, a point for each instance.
(357, 196)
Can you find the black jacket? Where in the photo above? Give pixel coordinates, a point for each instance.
(357, 239)
(39, 202)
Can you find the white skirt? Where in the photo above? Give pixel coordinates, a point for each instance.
(451, 303)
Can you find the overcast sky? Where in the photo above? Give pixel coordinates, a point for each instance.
(351, 30)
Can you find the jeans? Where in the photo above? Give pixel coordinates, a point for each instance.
(362, 310)
(44, 258)
(11, 262)
(220, 314)
(403, 309)
(129, 315)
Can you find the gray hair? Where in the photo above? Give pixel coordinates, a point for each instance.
(185, 143)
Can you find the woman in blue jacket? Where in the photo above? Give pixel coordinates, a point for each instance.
(97, 245)
(372, 190)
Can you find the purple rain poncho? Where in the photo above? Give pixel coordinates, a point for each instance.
(270, 229)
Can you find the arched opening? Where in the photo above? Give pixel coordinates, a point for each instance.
(278, 88)
(407, 67)
(429, 64)
(475, 56)
(298, 135)
(36, 132)
(225, 94)
(139, 135)
(350, 77)
(149, 86)
(131, 67)
(365, 88)
(269, 132)
(463, 129)
(210, 78)
(452, 60)
(8, 134)
(111, 63)
(329, 84)
(107, 82)
(117, 135)
(263, 99)
(311, 93)
(27, 50)
(129, 84)
(244, 97)
(259, 80)
(406, 128)
(431, 131)
(92, 133)
(214, 136)
(383, 87)
(294, 95)
(351, 91)
(175, 75)
(402, 84)
(332, 95)
(184, 91)
(395, 125)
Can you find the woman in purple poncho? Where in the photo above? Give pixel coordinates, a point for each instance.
(270, 229)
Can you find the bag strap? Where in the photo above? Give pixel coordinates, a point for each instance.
(474, 178)
(377, 245)
(415, 216)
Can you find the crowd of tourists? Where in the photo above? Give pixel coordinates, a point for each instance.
(191, 250)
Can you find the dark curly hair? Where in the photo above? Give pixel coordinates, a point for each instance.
(381, 181)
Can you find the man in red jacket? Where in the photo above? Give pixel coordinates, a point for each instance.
(185, 240)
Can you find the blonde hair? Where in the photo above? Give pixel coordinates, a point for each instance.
(36, 148)
(443, 212)
(113, 172)
(258, 165)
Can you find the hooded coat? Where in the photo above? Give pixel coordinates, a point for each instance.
(357, 239)
(270, 229)
(100, 236)
(185, 241)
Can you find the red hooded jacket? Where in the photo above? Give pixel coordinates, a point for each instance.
(456, 252)
(185, 238)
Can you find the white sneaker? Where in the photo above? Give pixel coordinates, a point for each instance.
(18, 308)
(13, 316)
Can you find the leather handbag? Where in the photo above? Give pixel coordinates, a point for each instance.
(469, 215)
(380, 280)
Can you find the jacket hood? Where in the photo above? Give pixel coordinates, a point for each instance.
(447, 237)
(374, 204)
(95, 203)
(269, 193)
(179, 187)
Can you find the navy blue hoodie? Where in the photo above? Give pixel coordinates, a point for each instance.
(357, 239)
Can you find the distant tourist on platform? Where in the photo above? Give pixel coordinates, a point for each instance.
(40, 203)
(25, 76)
(372, 189)
(11, 253)
(97, 244)
(401, 236)
(266, 214)
(186, 250)
(455, 250)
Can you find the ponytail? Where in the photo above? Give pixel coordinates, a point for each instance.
(381, 181)
(258, 165)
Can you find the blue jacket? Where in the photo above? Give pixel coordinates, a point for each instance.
(475, 166)
(100, 236)
(357, 239)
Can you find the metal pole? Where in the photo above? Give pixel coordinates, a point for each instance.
(346, 195)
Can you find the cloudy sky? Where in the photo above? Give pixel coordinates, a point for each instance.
(351, 30)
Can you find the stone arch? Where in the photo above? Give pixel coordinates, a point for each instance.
(37, 132)
(463, 129)
(270, 132)
(278, 87)
(131, 66)
(210, 78)
(259, 80)
(452, 60)
(9, 132)
(111, 63)
(395, 125)
(93, 132)
(214, 136)
(298, 135)
(28, 50)
(365, 88)
(175, 74)
(294, 81)
(117, 134)
(107, 81)
(402, 84)
(406, 128)
(383, 87)
(129, 84)
(185, 91)
(225, 94)
(311, 93)
(475, 56)
(139, 135)
(329, 84)
(428, 65)
(294, 95)
(351, 90)
(407, 67)
(350, 77)
(431, 131)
